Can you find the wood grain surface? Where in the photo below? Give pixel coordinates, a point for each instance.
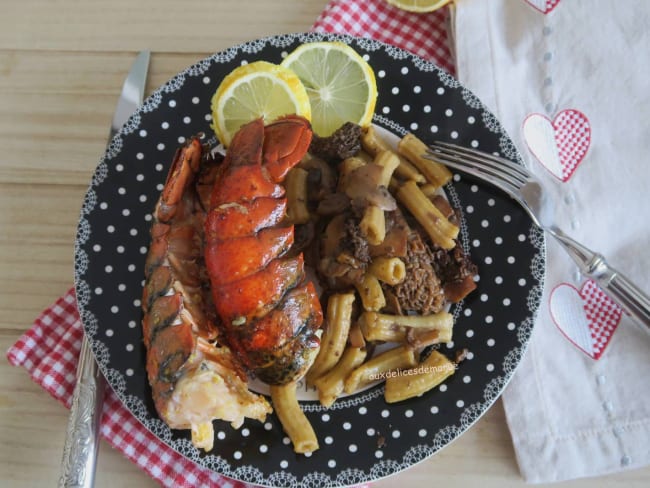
(62, 63)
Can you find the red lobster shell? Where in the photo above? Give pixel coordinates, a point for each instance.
(269, 312)
(194, 377)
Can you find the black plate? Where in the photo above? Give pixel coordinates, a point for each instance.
(494, 323)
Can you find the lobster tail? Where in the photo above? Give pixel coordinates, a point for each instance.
(194, 378)
(268, 312)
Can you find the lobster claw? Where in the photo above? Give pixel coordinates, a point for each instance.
(285, 143)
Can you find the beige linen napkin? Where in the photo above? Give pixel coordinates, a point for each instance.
(568, 79)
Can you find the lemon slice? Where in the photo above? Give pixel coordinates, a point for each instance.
(419, 5)
(340, 84)
(254, 90)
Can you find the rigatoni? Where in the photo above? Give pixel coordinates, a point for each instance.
(429, 190)
(377, 367)
(389, 161)
(442, 232)
(389, 270)
(296, 187)
(393, 328)
(420, 379)
(414, 149)
(373, 225)
(355, 338)
(440, 320)
(293, 420)
(373, 144)
(338, 320)
(372, 296)
(331, 384)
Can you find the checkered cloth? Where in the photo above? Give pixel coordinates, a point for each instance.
(50, 348)
(49, 351)
(422, 34)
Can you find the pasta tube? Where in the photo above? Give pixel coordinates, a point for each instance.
(372, 296)
(330, 385)
(355, 337)
(373, 145)
(375, 331)
(339, 317)
(441, 231)
(389, 161)
(420, 379)
(393, 328)
(377, 367)
(373, 225)
(296, 186)
(429, 190)
(371, 142)
(293, 419)
(413, 149)
(389, 270)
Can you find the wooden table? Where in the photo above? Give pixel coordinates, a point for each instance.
(61, 69)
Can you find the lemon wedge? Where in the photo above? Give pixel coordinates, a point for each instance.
(258, 89)
(419, 5)
(341, 85)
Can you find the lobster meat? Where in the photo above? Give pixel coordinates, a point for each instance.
(194, 376)
(269, 312)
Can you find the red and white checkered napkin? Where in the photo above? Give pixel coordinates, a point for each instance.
(49, 350)
(424, 34)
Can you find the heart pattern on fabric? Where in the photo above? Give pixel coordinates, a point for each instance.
(561, 144)
(587, 317)
(544, 6)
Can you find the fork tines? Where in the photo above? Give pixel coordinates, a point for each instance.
(494, 169)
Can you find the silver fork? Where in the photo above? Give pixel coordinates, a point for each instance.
(518, 183)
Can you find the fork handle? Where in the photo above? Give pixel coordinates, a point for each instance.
(625, 293)
(634, 301)
(82, 438)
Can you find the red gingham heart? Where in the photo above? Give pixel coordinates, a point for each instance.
(544, 6)
(559, 145)
(587, 317)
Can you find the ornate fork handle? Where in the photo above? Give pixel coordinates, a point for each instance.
(593, 265)
(82, 436)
